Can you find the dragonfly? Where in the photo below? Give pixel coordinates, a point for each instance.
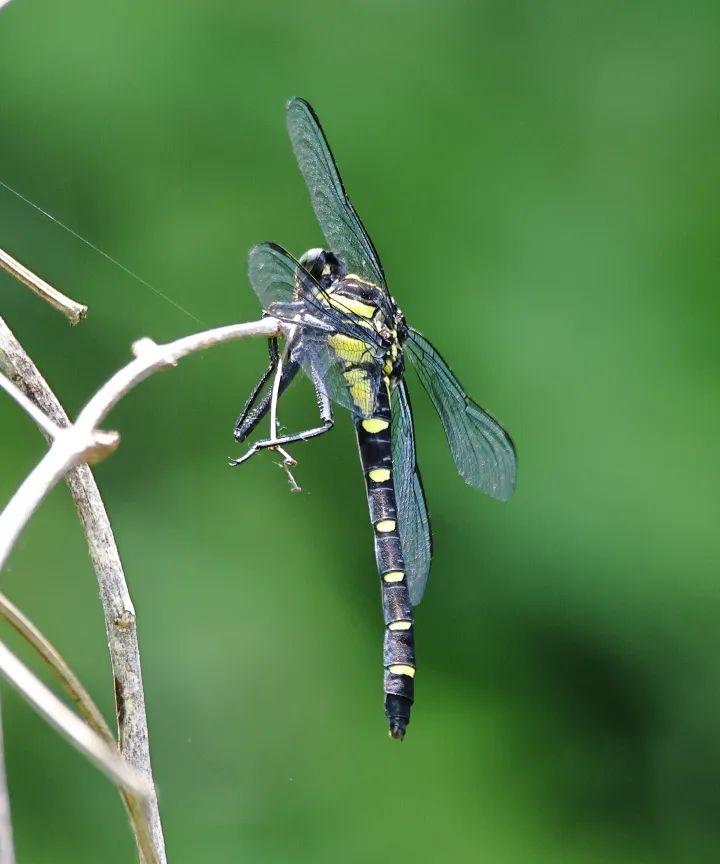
(348, 336)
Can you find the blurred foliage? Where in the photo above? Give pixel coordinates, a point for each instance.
(542, 182)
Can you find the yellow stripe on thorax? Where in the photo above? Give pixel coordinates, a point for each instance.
(350, 349)
(348, 304)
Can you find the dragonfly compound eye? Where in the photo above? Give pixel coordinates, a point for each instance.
(324, 266)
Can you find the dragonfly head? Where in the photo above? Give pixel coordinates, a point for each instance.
(400, 325)
(324, 265)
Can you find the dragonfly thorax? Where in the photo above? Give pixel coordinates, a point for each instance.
(365, 302)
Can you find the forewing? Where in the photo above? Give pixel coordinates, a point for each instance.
(413, 520)
(483, 451)
(272, 273)
(354, 388)
(340, 224)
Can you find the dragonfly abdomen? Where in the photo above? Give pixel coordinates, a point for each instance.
(375, 447)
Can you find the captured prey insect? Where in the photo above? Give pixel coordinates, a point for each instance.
(350, 338)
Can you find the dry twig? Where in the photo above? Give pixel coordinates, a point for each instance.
(72, 727)
(73, 311)
(70, 446)
(7, 851)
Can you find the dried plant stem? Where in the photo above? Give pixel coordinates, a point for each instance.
(69, 724)
(37, 640)
(83, 441)
(7, 851)
(73, 311)
(136, 806)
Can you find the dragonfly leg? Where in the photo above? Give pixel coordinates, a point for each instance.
(249, 417)
(326, 416)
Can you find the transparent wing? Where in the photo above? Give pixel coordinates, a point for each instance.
(340, 224)
(413, 520)
(348, 381)
(285, 288)
(273, 273)
(483, 451)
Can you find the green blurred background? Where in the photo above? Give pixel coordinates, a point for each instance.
(542, 183)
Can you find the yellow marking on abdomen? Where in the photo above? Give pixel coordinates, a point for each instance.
(374, 425)
(347, 303)
(360, 389)
(385, 525)
(402, 670)
(379, 475)
(395, 576)
(400, 625)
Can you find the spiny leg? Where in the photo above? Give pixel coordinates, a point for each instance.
(243, 425)
(326, 417)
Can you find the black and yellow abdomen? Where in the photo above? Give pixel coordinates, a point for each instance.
(375, 447)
